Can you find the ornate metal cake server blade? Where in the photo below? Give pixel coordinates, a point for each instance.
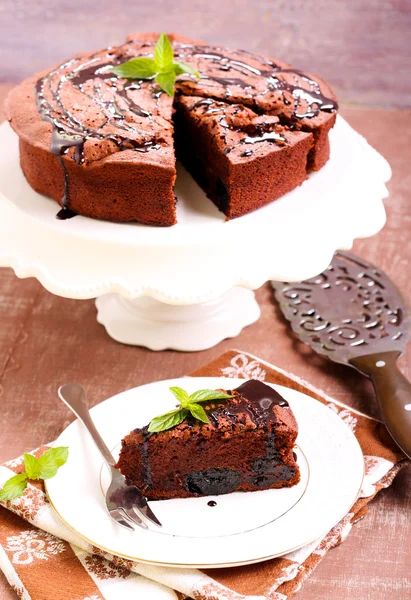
(353, 314)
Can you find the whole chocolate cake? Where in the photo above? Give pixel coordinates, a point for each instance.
(246, 446)
(249, 130)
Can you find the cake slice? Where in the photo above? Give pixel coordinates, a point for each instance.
(246, 446)
(243, 161)
(99, 145)
(267, 85)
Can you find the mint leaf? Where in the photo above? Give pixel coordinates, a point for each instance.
(14, 487)
(31, 464)
(166, 80)
(51, 461)
(181, 396)
(198, 412)
(137, 68)
(188, 405)
(180, 68)
(167, 421)
(206, 395)
(36, 468)
(163, 53)
(162, 67)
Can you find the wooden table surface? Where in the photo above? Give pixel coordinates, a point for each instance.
(46, 340)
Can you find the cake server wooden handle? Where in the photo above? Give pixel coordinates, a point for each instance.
(393, 392)
(75, 397)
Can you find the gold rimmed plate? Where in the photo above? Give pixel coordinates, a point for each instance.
(228, 530)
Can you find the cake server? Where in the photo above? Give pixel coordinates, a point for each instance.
(125, 503)
(353, 314)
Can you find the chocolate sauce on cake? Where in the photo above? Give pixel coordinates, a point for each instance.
(69, 132)
(204, 102)
(93, 113)
(256, 399)
(274, 75)
(145, 460)
(254, 131)
(269, 136)
(261, 394)
(212, 470)
(65, 213)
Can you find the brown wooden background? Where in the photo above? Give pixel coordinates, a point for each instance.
(364, 49)
(361, 46)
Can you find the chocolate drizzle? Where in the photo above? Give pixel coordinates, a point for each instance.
(211, 106)
(256, 399)
(269, 136)
(91, 84)
(145, 459)
(256, 132)
(64, 214)
(112, 97)
(315, 100)
(302, 88)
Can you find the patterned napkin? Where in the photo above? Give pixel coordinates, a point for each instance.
(43, 560)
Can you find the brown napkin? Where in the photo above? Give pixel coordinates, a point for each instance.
(43, 560)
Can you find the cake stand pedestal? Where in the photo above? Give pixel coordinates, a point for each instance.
(158, 326)
(189, 286)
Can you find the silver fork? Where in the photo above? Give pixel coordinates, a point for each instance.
(125, 503)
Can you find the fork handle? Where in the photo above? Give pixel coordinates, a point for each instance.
(393, 393)
(75, 397)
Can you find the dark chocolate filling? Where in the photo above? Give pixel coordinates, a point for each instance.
(256, 399)
(265, 471)
(221, 196)
(281, 473)
(212, 482)
(145, 458)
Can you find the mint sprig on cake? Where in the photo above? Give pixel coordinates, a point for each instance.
(162, 67)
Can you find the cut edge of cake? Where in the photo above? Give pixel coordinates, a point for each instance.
(247, 446)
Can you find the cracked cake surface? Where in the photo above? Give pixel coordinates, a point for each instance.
(105, 147)
(247, 446)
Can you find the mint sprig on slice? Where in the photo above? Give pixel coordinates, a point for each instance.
(188, 404)
(162, 67)
(44, 467)
(168, 420)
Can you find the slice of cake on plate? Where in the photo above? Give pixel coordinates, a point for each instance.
(246, 445)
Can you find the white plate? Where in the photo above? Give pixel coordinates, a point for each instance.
(244, 527)
(183, 264)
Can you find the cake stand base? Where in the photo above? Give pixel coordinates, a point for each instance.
(158, 326)
(189, 286)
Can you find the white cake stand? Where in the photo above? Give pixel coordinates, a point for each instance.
(190, 286)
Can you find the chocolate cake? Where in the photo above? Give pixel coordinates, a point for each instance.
(247, 446)
(235, 154)
(249, 130)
